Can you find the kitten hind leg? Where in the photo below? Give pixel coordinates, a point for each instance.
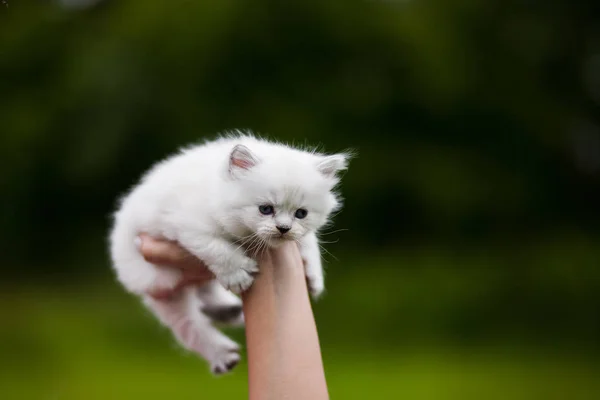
(194, 330)
(309, 250)
(220, 305)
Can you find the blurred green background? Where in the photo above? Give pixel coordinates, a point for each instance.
(468, 266)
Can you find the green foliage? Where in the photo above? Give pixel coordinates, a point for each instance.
(463, 96)
(91, 345)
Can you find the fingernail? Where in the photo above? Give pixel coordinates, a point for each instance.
(138, 242)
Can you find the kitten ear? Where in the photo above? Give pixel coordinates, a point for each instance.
(331, 165)
(241, 159)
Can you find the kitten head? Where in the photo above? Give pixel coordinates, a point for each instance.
(283, 193)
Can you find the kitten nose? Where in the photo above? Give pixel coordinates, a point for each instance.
(283, 229)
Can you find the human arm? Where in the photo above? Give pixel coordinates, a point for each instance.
(284, 357)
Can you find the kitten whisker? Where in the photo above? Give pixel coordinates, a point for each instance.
(257, 246)
(265, 247)
(332, 216)
(334, 241)
(253, 243)
(331, 233)
(328, 252)
(245, 240)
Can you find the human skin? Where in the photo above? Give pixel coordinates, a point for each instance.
(284, 356)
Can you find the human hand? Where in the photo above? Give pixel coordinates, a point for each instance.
(169, 254)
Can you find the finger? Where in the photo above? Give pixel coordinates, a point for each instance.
(198, 275)
(161, 294)
(194, 280)
(161, 251)
(167, 253)
(286, 254)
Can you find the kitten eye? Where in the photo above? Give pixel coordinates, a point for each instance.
(266, 209)
(300, 213)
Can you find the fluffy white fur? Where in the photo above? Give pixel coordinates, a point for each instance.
(207, 198)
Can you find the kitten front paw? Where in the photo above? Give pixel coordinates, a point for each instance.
(241, 278)
(316, 286)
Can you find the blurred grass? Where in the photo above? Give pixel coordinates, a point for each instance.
(95, 342)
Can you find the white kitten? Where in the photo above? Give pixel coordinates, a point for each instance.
(224, 201)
